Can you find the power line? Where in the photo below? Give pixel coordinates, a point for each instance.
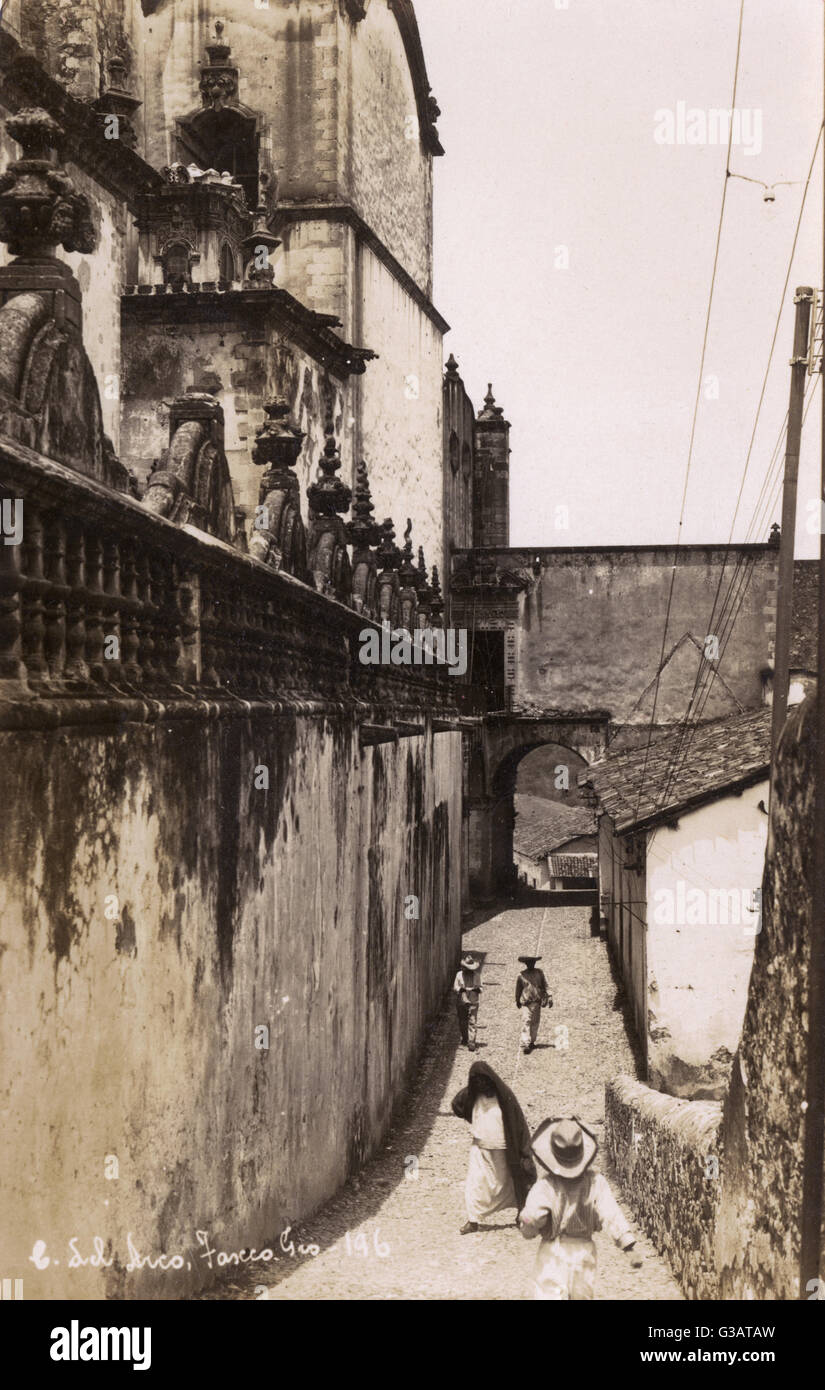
(733, 605)
(703, 660)
(695, 405)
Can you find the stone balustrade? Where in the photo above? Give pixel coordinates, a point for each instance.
(101, 597)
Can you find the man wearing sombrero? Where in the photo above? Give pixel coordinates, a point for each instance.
(467, 988)
(567, 1204)
(532, 995)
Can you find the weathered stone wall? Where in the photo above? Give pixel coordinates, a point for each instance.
(75, 41)
(388, 174)
(243, 369)
(133, 1035)
(759, 1221)
(591, 629)
(335, 101)
(401, 431)
(339, 129)
(666, 1154)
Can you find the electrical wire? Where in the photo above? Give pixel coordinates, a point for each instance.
(696, 402)
(733, 604)
(710, 627)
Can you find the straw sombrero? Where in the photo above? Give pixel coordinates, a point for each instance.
(564, 1147)
(469, 963)
(529, 960)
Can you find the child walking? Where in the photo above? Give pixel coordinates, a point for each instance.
(565, 1207)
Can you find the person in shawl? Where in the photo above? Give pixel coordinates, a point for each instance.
(565, 1206)
(501, 1167)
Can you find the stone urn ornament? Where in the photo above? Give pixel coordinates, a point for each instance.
(40, 208)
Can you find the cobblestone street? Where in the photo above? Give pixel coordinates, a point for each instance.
(387, 1235)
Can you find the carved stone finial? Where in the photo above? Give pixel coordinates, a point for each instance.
(363, 531)
(218, 50)
(39, 206)
(114, 100)
(329, 495)
(407, 572)
(116, 68)
(452, 366)
(388, 553)
(278, 442)
(491, 411)
(775, 536)
(219, 79)
(424, 590)
(436, 601)
(256, 249)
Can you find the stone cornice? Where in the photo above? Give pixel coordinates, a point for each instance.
(345, 213)
(308, 330)
(24, 82)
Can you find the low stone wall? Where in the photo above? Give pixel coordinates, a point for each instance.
(665, 1153)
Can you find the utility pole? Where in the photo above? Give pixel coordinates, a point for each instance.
(814, 1151)
(784, 600)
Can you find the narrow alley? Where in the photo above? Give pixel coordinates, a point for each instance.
(393, 1231)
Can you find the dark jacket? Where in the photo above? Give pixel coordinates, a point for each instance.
(519, 1153)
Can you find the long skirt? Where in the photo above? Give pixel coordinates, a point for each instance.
(489, 1186)
(565, 1269)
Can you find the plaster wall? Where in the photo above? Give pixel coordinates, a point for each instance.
(591, 629)
(702, 876)
(157, 909)
(401, 407)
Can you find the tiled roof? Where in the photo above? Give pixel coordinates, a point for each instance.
(542, 825)
(572, 865)
(805, 614)
(720, 755)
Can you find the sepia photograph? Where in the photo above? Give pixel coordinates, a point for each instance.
(412, 609)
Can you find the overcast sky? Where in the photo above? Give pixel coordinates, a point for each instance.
(549, 119)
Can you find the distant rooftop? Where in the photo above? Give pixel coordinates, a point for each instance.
(719, 756)
(573, 865)
(542, 825)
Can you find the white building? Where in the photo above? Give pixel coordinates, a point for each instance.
(681, 854)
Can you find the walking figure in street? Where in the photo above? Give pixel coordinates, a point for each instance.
(467, 987)
(532, 995)
(501, 1167)
(567, 1204)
